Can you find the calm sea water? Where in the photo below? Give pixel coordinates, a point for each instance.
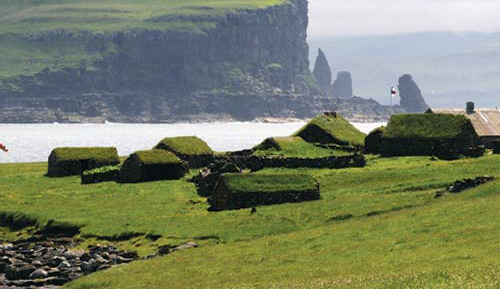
(33, 142)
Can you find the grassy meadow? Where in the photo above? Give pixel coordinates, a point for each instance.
(375, 227)
(32, 16)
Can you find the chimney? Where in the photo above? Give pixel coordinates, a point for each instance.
(470, 107)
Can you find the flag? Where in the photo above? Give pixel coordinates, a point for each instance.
(2, 147)
(393, 91)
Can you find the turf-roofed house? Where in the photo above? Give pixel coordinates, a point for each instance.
(236, 191)
(70, 161)
(446, 136)
(486, 122)
(152, 165)
(191, 149)
(332, 129)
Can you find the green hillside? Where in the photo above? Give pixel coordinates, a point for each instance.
(375, 227)
(52, 35)
(32, 16)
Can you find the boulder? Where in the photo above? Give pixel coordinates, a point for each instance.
(38, 274)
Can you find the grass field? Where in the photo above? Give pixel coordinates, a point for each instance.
(376, 227)
(31, 16)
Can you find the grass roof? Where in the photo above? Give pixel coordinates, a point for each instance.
(242, 183)
(338, 127)
(294, 147)
(155, 157)
(427, 125)
(186, 145)
(104, 154)
(102, 170)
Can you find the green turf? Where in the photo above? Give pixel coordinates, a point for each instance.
(101, 170)
(269, 183)
(425, 126)
(150, 157)
(338, 127)
(100, 154)
(185, 145)
(449, 243)
(294, 147)
(32, 16)
(26, 48)
(375, 227)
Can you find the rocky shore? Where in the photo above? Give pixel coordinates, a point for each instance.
(50, 263)
(54, 262)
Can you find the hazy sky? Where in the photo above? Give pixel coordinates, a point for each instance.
(376, 17)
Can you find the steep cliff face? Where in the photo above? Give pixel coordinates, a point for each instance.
(224, 64)
(342, 86)
(411, 96)
(244, 52)
(259, 49)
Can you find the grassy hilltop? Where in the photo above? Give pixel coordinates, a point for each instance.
(25, 51)
(375, 227)
(33, 16)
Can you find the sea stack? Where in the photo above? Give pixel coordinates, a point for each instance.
(411, 96)
(322, 71)
(342, 86)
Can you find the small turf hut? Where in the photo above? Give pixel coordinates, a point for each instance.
(444, 135)
(69, 161)
(331, 128)
(191, 149)
(236, 191)
(152, 165)
(373, 141)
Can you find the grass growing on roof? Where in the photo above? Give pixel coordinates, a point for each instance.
(186, 145)
(241, 183)
(102, 170)
(425, 126)
(102, 154)
(150, 157)
(294, 147)
(336, 127)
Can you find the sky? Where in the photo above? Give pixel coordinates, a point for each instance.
(333, 18)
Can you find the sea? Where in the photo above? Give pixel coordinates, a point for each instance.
(34, 142)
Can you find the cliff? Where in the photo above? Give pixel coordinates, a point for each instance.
(200, 60)
(411, 96)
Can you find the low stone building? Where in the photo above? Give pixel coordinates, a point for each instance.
(152, 165)
(237, 191)
(486, 122)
